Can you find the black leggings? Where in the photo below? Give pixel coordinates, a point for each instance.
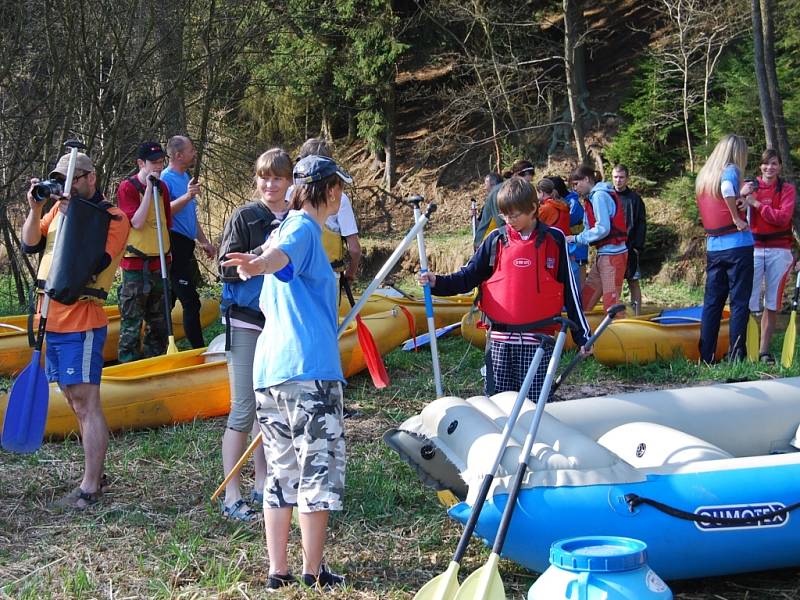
(185, 276)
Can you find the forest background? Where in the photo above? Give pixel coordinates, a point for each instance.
(419, 97)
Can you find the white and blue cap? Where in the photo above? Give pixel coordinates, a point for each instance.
(316, 168)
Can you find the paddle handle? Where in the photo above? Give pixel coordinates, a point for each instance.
(426, 290)
(508, 512)
(610, 314)
(73, 146)
(473, 216)
(477, 505)
(796, 292)
(161, 253)
(384, 270)
(239, 464)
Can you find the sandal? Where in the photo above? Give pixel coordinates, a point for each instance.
(239, 511)
(766, 358)
(79, 500)
(256, 498)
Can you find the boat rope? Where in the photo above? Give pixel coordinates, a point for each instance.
(634, 500)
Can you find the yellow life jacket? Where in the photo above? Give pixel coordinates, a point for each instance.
(334, 248)
(143, 243)
(95, 290)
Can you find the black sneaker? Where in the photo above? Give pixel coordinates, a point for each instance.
(325, 580)
(276, 581)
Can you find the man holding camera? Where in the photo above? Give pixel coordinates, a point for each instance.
(141, 295)
(75, 332)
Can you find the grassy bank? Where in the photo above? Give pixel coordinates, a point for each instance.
(156, 535)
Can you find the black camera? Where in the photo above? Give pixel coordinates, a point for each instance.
(753, 183)
(44, 189)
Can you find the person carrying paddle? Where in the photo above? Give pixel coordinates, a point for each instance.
(141, 295)
(184, 273)
(771, 206)
(297, 374)
(75, 332)
(729, 247)
(606, 230)
(246, 231)
(523, 273)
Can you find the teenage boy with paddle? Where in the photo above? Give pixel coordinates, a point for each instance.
(141, 295)
(524, 276)
(75, 332)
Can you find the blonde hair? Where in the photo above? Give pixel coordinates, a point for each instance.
(731, 149)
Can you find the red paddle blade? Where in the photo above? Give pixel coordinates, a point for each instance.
(372, 356)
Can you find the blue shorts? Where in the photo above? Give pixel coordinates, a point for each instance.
(72, 358)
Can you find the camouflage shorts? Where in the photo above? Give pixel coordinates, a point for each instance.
(304, 444)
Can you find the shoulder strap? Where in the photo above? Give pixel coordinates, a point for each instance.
(502, 238)
(137, 184)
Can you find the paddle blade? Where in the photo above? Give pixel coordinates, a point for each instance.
(171, 347)
(26, 412)
(372, 356)
(789, 340)
(753, 336)
(441, 587)
(484, 583)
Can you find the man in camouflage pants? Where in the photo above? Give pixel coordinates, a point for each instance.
(141, 295)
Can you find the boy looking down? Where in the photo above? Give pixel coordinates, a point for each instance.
(524, 276)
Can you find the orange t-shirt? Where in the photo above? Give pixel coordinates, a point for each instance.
(84, 314)
(555, 213)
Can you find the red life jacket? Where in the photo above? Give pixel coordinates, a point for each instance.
(523, 292)
(562, 214)
(716, 217)
(619, 227)
(766, 234)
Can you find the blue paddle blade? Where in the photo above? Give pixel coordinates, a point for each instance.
(26, 413)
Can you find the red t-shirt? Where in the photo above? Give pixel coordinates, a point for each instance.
(129, 199)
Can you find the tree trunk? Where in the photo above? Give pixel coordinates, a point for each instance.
(389, 141)
(169, 29)
(761, 76)
(776, 103)
(573, 94)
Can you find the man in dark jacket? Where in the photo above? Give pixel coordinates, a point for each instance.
(636, 217)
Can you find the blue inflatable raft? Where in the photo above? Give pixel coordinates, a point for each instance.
(708, 477)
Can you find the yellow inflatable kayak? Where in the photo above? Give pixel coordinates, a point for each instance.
(193, 384)
(645, 341)
(15, 353)
(445, 310)
(477, 336)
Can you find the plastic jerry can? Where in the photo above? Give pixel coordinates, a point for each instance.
(599, 568)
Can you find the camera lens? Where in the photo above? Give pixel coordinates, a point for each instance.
(44, 189)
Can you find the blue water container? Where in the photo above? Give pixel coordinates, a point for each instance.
(599, 568)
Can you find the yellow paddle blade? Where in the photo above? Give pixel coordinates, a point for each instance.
(447, 498)
(787, 354)
(753, 341)
(171, 347)
(483, 584)
(441, 587)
